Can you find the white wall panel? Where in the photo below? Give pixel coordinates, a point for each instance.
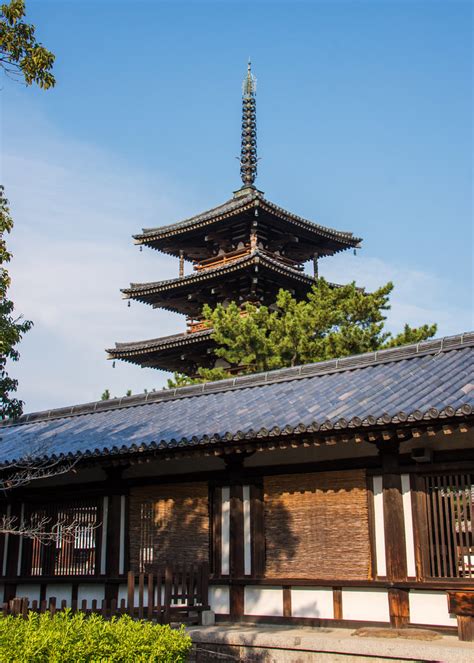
(408, 517)
(312, 602)
(60, 592)
(90, 593)
(225, 531)
(430, 608)
(122, 535)
(365, 605)
(32, 592)
(219, 599)
(264, 601)
(381, 569)
(103, 546)
(247, 532)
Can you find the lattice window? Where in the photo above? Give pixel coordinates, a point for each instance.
(450, 511)
(67, 540)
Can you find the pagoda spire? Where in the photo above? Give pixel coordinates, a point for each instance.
(248, 152)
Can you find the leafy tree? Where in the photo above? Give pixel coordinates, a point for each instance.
(331, 322)
(11, 328)
(21, 56)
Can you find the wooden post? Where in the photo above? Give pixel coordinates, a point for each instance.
(181, 264)
(114, 490)
(462, 605)
(394, 522)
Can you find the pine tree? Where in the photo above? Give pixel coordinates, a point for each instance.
(331, 322)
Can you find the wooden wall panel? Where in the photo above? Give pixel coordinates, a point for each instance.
(169, 523)
(316, 526)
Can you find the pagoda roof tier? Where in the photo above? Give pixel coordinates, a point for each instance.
(179, 352)
(256, 276)
(300, 238)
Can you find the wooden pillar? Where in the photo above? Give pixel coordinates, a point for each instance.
(236, 480)
(394, 522)
(115, 491)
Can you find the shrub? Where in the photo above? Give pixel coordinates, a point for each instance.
(75, 638)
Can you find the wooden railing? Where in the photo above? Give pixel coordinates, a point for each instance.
(219, 261)
(172, 594)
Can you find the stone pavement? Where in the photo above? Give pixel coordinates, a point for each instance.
(290, 644)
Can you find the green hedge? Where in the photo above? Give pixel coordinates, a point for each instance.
(68, 638)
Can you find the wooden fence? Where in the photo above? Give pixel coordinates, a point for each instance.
(174, 594)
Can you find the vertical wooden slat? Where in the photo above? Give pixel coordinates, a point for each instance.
(150, 595)
(168, 589)
(141, 578)
(130, 593)
(337, 602)
(446, 517)
(452, 517)
(159, 586)
(442, 536)
(286, 601)
(459, 521)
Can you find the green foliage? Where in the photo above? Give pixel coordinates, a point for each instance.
(11, 328)
(67, 638)
(331, 322)
(105, 395)
(21, 56)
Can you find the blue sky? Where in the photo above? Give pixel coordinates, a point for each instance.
(364, 123)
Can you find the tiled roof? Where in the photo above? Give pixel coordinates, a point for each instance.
(429, 380)
(237, 205)
(139, 290)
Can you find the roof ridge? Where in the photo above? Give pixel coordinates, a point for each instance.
(434, 346)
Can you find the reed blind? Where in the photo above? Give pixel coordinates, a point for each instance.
(450, 510)
(317, 525)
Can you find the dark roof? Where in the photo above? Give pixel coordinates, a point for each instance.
(122, 350)
(237, 205)
(429, 380)
(142, 291)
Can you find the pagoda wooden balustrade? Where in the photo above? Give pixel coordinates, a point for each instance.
(232, 256)
(173, 594)
(201, 325)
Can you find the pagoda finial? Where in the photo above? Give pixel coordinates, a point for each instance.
(248, 151)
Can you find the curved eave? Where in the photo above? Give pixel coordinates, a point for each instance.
(128, 351)
(153, 236)
(143, 291)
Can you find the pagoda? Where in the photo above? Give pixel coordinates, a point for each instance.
(244, 250)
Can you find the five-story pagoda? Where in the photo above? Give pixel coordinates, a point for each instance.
(244, 250)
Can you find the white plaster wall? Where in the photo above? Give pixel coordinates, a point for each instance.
(365, 605)
(32, 592)
(408, 519)
(430, 608)
(60, 592)
(379, 527)
(263, 601)
(312, 602)
(89, 593)
(122, 593)
(225, 531)
(219, 599)
(247, 533)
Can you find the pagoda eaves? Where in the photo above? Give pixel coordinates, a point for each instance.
(299, 237)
